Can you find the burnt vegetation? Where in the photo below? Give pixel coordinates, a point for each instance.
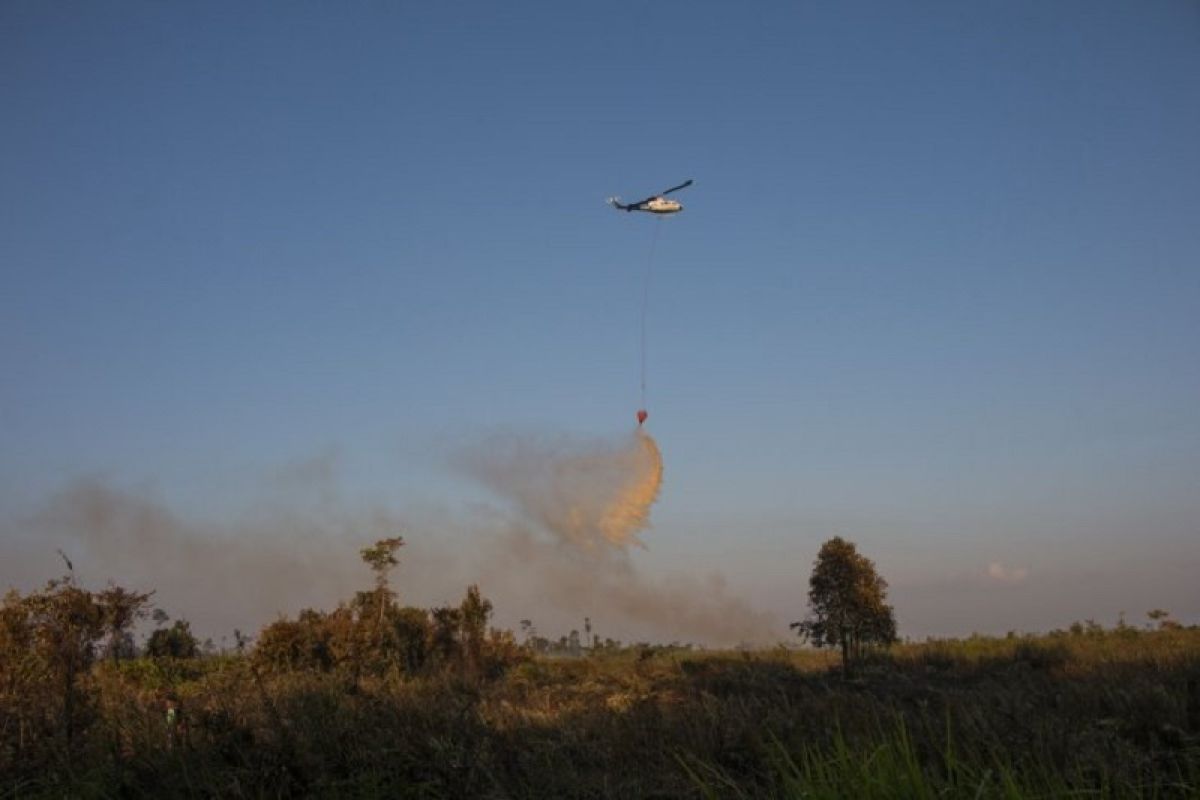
(378, 699)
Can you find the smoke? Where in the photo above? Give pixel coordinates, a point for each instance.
(558, 551)
(296, 548)
(587, 494)
(577, 507)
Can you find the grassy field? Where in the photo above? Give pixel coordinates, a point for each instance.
(1093, 714)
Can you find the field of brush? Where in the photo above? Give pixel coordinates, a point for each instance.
(1094, 714)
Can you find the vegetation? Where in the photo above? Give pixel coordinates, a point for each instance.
(374, 699)
(176, 641)
(848, 601)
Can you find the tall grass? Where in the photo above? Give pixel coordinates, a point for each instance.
(1112, 715)
(893, 766)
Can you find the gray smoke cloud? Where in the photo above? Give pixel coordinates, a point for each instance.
(219, 577)
(296, 547)
(556, 549)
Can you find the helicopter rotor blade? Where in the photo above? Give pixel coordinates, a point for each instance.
(683, 185)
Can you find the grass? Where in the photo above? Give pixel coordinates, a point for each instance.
(1104, 714)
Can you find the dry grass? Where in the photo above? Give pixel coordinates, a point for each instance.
(1110, 714)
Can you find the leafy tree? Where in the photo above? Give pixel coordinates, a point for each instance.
(120, 646)
(64, 623)
(345, 649)
(358, 639)
(1163, 619)
(363, 645)
(474, 613)
(121, 609)
(410, 629)
(301, 644)
(176, 641)
(847, 598)
(381, 557)
(446, 622)
(23, 681)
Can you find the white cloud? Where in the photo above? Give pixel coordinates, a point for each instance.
(1002, 574)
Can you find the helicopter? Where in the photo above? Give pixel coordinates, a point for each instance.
(658, 204)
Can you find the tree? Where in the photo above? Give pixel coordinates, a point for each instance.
(1163, 618)
(410, 628)
(48, 643)
(847, 598)
(365, 644)
(70, 625)
(445, 624)
(474, 614)
(176, 641)
(381, 557)
(122, 608)
(300, 645)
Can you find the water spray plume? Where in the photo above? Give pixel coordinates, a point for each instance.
(629, 511)
(584, 493)
(579, 505)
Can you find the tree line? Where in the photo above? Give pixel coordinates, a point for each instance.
(50, 638)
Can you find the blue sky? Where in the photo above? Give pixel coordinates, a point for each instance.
(936, 288)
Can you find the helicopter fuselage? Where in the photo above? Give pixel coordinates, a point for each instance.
(655, 205)
(661, 205)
